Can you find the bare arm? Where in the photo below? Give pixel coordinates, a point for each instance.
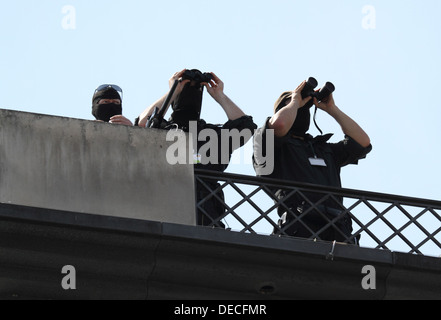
(348, 125)
(283, 120)
(216, 89)
(143, 118)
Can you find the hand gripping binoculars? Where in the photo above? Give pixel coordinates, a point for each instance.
(197, 76)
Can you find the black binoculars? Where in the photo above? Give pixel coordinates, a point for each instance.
(321, 95)
(197, 76)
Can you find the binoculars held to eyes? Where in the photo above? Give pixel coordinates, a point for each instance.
(321, 95)
(197, 76)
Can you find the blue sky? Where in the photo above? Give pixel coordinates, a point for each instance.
(386, 67)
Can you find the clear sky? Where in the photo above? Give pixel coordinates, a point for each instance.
(383, 57)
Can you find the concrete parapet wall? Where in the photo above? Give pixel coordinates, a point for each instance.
(92, 167)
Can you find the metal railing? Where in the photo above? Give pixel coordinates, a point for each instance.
(380, 221)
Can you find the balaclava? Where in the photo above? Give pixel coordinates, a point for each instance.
(303, 119)
(188, 105)
(104, 112)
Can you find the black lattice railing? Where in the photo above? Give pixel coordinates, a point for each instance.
(381, 221)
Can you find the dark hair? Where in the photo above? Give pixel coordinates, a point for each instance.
(282, 101)
(303, 119)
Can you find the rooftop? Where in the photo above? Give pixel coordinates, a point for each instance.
(54, 213)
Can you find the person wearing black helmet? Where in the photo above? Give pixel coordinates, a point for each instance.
(107, 105)
(300, 157)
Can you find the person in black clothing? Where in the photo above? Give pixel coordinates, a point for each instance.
(299, 157)
(107, 105)
(186, 104)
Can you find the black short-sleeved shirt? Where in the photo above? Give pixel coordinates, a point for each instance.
(292, 157)
(204, 159)
(223, 144)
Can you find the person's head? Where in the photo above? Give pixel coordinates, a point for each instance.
(303, 120)
(107, 102)
(188, 105)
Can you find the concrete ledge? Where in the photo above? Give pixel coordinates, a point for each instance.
(92, 167)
